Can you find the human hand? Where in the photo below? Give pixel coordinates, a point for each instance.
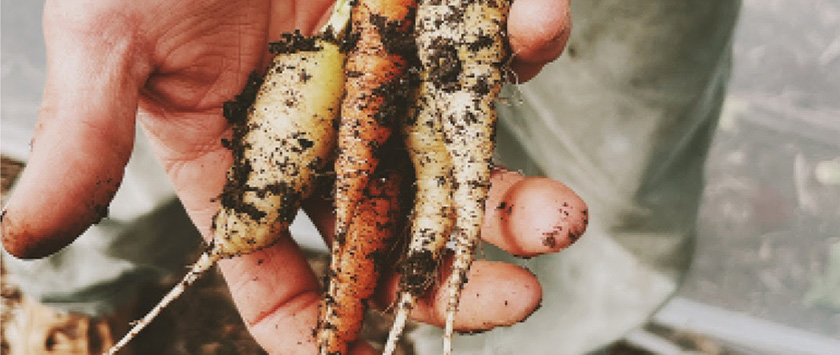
(170, 66)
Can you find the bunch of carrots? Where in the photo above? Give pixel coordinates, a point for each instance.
(384, 78)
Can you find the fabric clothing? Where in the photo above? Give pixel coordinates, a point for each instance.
(625, 118)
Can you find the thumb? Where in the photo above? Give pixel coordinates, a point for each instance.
(84, 135)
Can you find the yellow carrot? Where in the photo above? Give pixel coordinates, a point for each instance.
(283, 135)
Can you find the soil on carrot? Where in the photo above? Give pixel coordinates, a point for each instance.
(295, 42)
(186, 327)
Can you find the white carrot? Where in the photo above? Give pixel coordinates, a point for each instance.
(280, 144)
(463, 47)
(432, 216)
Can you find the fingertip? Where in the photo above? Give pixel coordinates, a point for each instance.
(54, 202)
(22, 244)
(539, 30)
(496, 294)
(546, 216)
(514, 298)
(532, 216)
(524, 71)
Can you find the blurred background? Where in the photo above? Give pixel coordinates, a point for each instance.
(766, 273)
(768, 250)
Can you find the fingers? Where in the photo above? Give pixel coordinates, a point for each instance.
(84, 135)
(276, 293)
(532, 216)
(539, 30)
(497, 294)
(525, 216)
(277, 296)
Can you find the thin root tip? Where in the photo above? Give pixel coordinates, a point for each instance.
(205, 262)
(448, 332)
(404, 307)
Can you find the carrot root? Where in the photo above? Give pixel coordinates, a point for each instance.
(355, 270)
(432, 213)
(464, 58)
(205, 262)
(376, 94)
(283, 134)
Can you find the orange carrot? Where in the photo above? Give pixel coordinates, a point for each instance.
(376, 91)
(355, 269)
(375, 95)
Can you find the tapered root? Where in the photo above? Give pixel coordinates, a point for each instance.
(205, 262)
(462, 45)
(400, 320)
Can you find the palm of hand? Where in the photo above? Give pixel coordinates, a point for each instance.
(202, 58)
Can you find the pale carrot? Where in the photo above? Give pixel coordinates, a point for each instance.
(462, 45)
(432, 216)
(281, 142)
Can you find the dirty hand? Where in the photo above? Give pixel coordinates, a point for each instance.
(170, 66)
